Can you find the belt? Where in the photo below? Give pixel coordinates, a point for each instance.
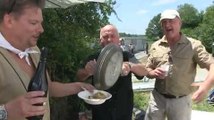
(169, 96)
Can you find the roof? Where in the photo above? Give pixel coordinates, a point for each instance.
(67, 3)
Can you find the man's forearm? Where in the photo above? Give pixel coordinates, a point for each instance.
(57, 89)
(150, 73)
(209, 81)
(82, 75)
(138, 69)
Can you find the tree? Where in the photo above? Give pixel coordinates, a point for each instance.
(70, 35)
(154, 32)
(206, 29)
(190, 16)
(191, 19)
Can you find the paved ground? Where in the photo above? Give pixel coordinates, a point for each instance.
(201, 115)
(139, 55)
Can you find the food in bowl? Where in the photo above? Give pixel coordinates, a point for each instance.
(96, 98)
(97, 95)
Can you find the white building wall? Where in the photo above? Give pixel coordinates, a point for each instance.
(138, 42)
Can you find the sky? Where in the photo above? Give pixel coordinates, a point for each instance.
(135, 15)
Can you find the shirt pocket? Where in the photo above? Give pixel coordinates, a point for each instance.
(159, 58)
(183, 61)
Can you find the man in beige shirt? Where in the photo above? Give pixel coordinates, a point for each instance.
(20, 28)
(173, 61)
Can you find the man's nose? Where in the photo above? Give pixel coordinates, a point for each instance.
(167, 23)
(40, 28)
(109, 39)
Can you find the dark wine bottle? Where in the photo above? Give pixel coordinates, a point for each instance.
(39, 81)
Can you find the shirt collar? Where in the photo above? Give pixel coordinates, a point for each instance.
(22, 54)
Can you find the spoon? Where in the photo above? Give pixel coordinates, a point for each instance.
(87, 90)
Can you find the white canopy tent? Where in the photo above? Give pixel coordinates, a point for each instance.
(67, 3)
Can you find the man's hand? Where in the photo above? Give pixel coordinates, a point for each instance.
(86, 86)
(126, 68)
(90, 67)
(23, 106)
(157, 73)
(200, 93)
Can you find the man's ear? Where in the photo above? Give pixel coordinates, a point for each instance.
(8, 20)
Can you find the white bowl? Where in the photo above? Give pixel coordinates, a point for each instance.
(85, 96)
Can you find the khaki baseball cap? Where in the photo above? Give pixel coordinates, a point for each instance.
(169, 14)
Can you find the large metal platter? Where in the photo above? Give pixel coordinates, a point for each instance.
(109, 65)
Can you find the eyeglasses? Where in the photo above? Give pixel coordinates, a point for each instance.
(13, 3)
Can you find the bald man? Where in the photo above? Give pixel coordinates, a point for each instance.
(120, 106)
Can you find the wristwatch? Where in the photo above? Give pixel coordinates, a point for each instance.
(3, 113)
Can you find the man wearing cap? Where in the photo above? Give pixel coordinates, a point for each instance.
(171, 97)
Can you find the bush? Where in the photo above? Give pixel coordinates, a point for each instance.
(141, 100)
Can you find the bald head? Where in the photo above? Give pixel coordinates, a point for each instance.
(109, 34)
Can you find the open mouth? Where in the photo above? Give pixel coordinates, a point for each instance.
(169, 30)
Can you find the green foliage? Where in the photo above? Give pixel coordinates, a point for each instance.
(130, 35)
(141, 100)
(203, 106)
(154, 32)
(189, 15)
(198, 25)
(206, 33)
(71, 34)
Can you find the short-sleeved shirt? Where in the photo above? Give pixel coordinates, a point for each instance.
(185, 55)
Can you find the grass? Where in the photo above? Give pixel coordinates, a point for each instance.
(141, 101)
